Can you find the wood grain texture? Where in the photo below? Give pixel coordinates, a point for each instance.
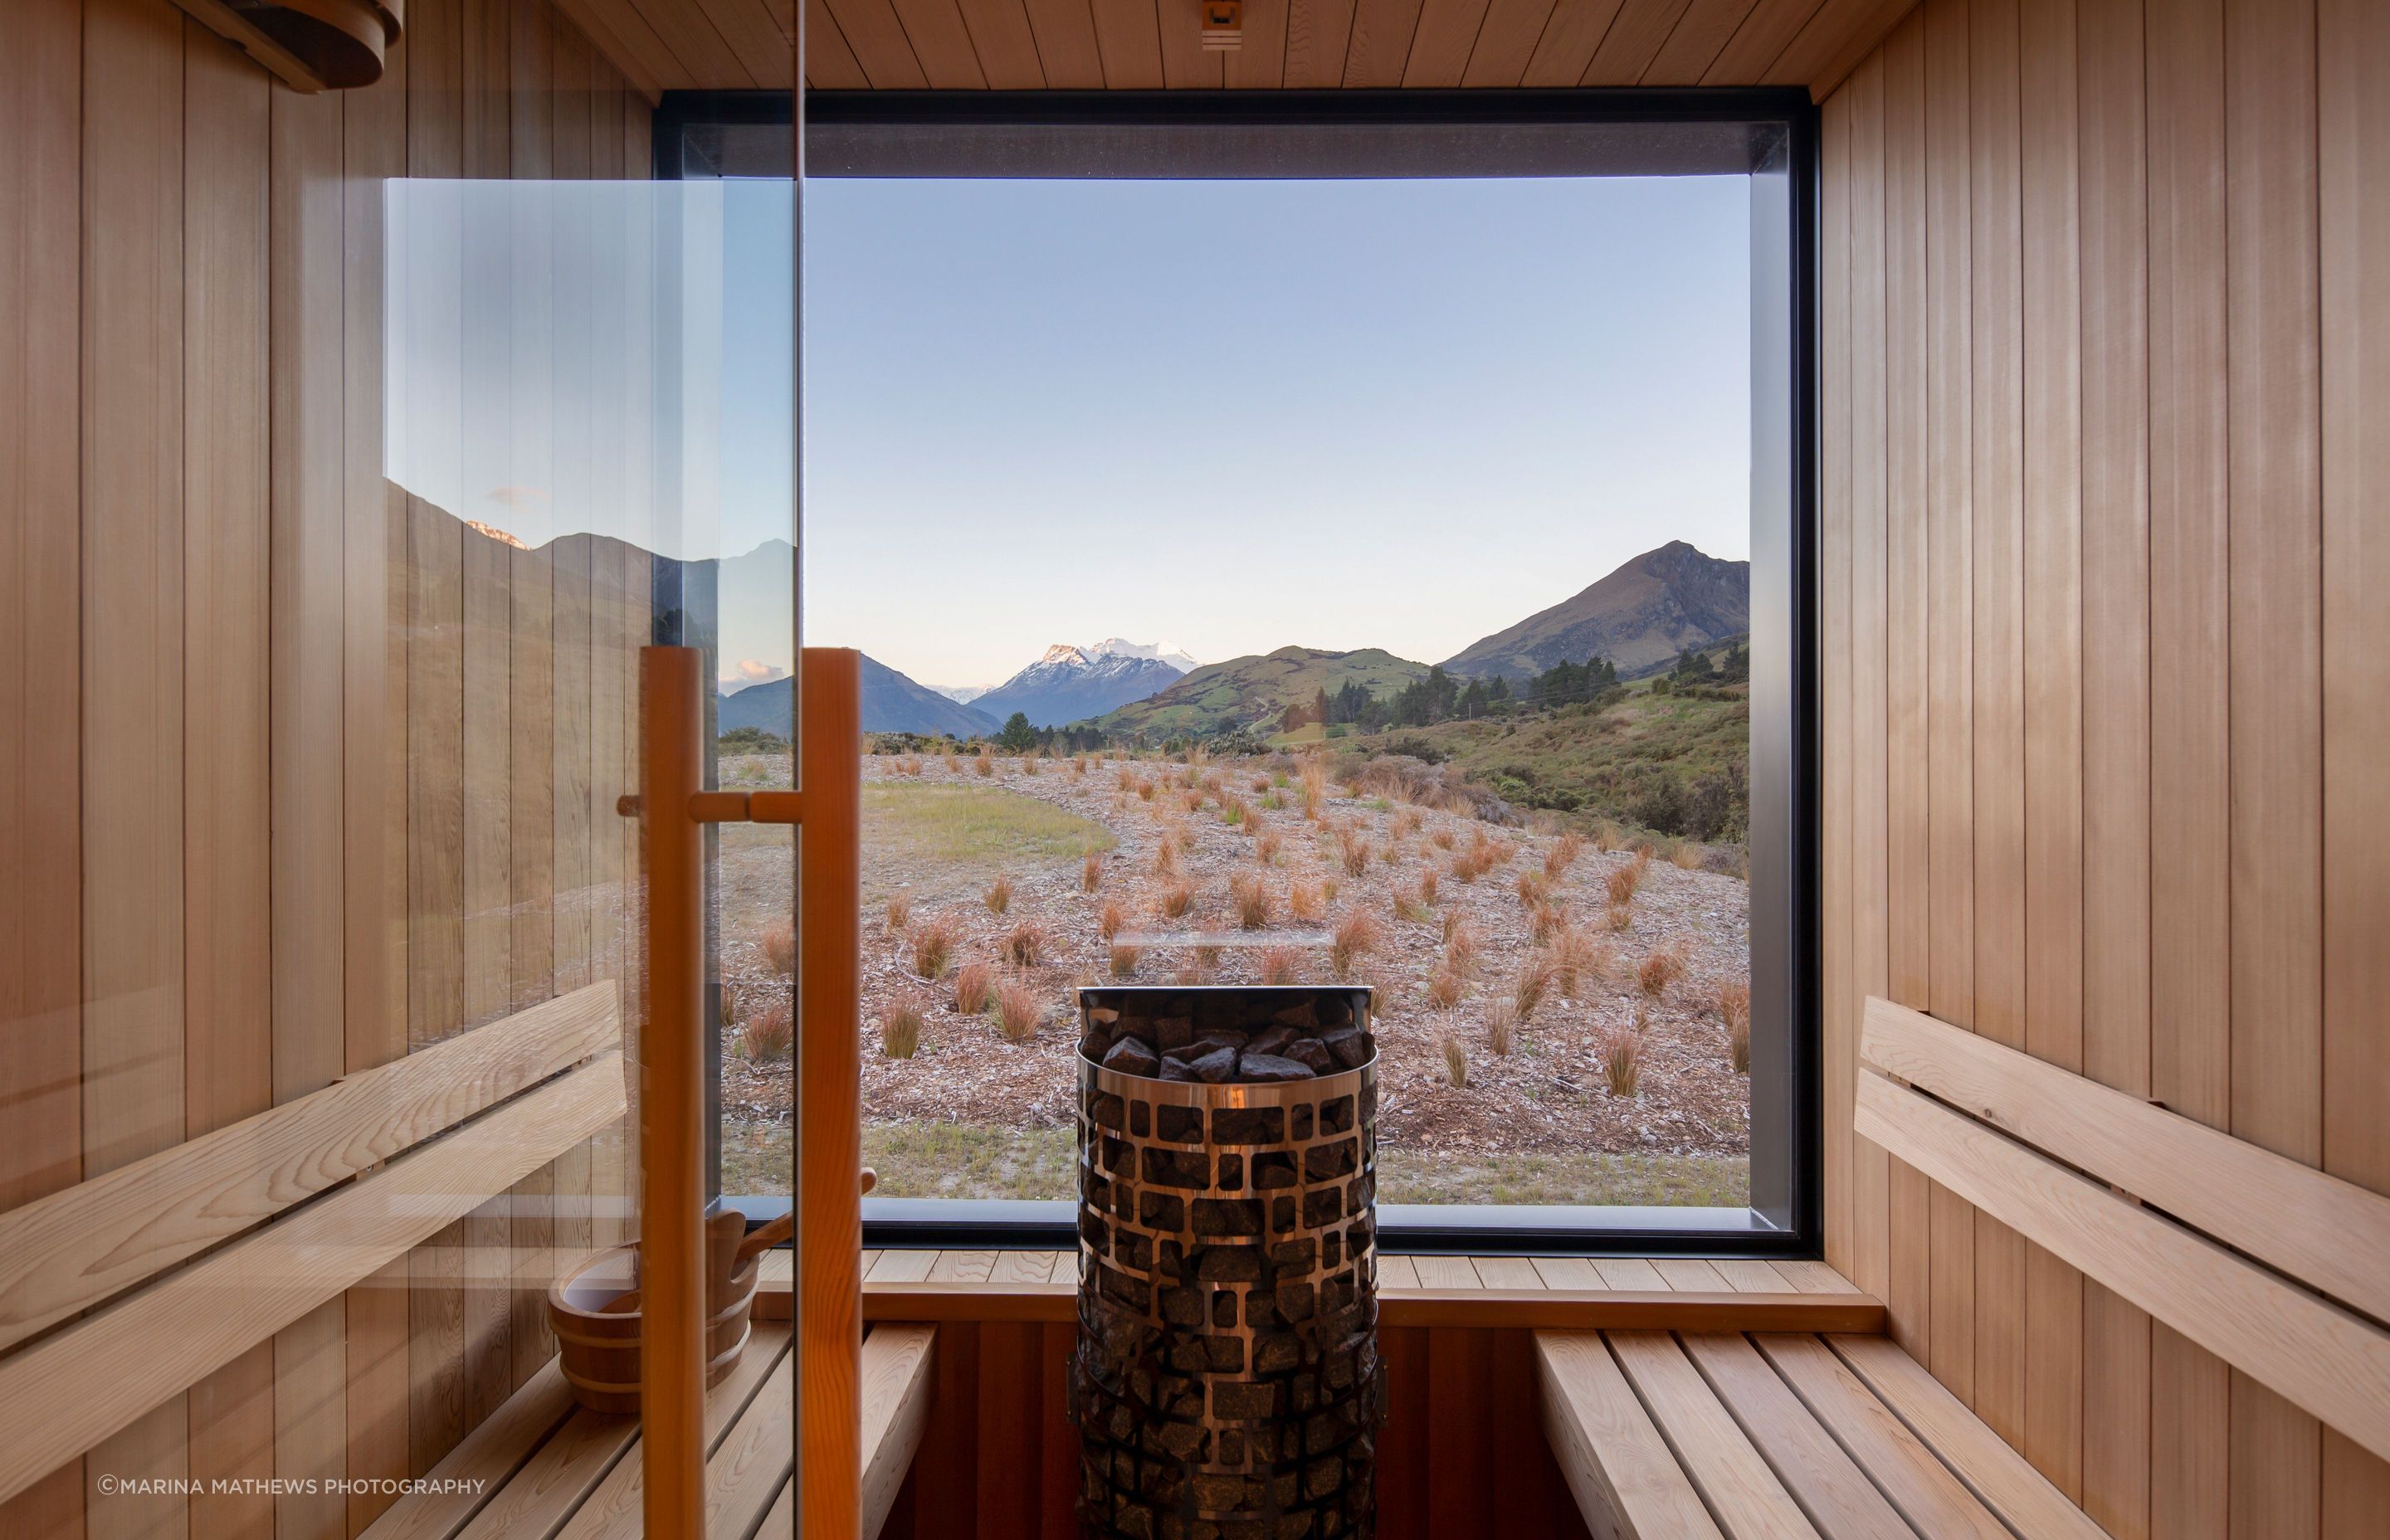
(1732, 1477)
(1834, 1491)
(83, 1245)
(146, 1346)
(1616, 1459)
(2309, 1352)
(897, 1377)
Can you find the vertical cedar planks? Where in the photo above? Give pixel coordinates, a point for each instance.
(1834, 683)
(310, 1424)
(375, 1313)
(2352, 46)
(41, 946)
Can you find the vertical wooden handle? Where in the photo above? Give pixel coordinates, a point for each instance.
(830, 1092)
(672, 1100)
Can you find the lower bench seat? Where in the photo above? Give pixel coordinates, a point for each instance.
(541, 1465)
(1679, 1435)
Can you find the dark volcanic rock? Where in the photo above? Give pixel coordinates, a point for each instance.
(1351, 1046)
(1130, 1055)
(1267, 1067)
(1218, 1067)
(1312, 1055)
(1273, 1041)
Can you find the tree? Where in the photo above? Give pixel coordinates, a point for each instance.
(1019, 737)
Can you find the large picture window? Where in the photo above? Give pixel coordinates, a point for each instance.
(1298, 542)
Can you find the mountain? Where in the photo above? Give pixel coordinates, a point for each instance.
(1070, 683)
(1639, 617)
(961, 695)
(1116, 646)
(891, 703)
(1254, 691)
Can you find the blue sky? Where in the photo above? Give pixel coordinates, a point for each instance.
(1236, 415)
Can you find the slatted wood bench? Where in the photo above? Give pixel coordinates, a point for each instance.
(1729, 1436)
(541, 1467)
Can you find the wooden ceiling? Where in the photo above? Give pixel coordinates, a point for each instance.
(1151, 44)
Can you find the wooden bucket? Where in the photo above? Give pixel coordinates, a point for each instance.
(593, 1310)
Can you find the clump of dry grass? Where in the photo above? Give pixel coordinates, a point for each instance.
(1024, 945)
(1426, 886)
(1123, 961)
(1110, 919)
(1459, 944)
(1177, 899)
(1353, 852)
(1311, 778)
(1444, 988)
(1260, 783)
(900, 912)
(779, 943)
(1165, 858)
(1443, 838)
(1407, 822)
(1734, 1007)
(1527, 989)
(1564, 853)
(1607, 837)
(970, 988)
(984, 763)
(1531, 887)
(1207, 956)
(1306, 900)
(1548, 920)
(1356, 936)
(900, 1030)
(1030, 766)
(1658, 971)
(1410, 907)
(1576, 958)
(770, 1031)
(933, 947)
(1146, 788)
(1250, 896)
(1619, 1047)
(1684, 857)
(1455, 1061)
(1192, 799)
(1618, 917)
(999, 897)
(1091, 872)
(1265, 846)
(1281, 965)
(1501, 1026)
(1016, 1011)
(1623, 881)
(1233, 812)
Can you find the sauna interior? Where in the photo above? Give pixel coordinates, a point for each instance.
(361, 362)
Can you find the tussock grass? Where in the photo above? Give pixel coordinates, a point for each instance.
(971, 983)
(1250, 897)
(779, 943)
(1358, 935)
(1017, 1011)
(770, 1031)
(1123, 961)
(1501, 1026)
(1281, 965)
(933, 946)
(1527, 990)
(900, 914)
(999, 897)
(1177, 899)
(1577, 960)
(1024, 945)
(1658, 971)
(1444, 988)
(1734, 1008)
(900, 1030)
(1110, 919)
(1455, 1061)
(1266, 847)
(1306, 899)
(1091, 872)
(1619, 1047)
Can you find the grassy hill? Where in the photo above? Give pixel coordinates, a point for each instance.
(1254, 691)
(1674, 763)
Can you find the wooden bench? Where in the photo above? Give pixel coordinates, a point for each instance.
(542, 1467)
(1727, 1436)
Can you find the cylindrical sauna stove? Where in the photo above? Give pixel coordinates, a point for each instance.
(1227, 1384)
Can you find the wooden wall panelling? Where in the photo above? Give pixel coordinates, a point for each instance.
(1834, 684)
(310, 1423)
(2276, 710)
(1868, 1262)
(132, 633)
(2353, 48)
(41, 596)
(377, 1406)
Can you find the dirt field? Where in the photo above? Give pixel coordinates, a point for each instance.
(973, 1115)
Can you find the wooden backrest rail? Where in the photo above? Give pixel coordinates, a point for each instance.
(80, 1246)
(2307, 1348)
(63, 1395)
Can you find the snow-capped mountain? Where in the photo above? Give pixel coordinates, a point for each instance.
(961, 695)
(1070, 683)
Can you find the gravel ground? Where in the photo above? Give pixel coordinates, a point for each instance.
(1547, 1096)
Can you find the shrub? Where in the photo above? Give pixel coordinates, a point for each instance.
(1620, 1047)
(1177, 899)
(1527, 990)
(1444, 988)
(1306, 899)
(900, 912)
(1658, 971)
(1024, 945)
(770, 1031)
(1016, 1011)
(998, 896)
(1111, 918)
(900, 1030)
(1280, 965)
(933, 947)
(1091, 872)
(1356, 936)
(779, 942)
(1455, 1061)
(1265, 843)
(1123, 961)
(1564, 853)
(970, 988)
(1501, 1026)
(1252, 897)
(1734, 1005)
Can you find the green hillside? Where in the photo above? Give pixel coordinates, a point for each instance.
(1675, 763)
(1255, 691)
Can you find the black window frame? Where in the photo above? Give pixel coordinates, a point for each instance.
(1786, 1218)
